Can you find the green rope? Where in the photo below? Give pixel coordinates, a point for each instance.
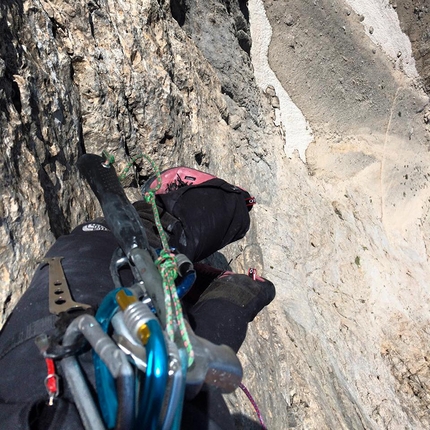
(124, 172)
(110, 159)
(168, 269)
(166, 263)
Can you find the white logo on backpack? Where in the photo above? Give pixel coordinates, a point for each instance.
(94, 227)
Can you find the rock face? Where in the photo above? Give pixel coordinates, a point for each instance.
(343, 234)
(414, 20)
(85, 77)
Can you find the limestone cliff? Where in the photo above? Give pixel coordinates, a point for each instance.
(341, 228)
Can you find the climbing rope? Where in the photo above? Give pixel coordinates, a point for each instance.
(254, 404)
(109, 158)
(166, 264)
(168, 269)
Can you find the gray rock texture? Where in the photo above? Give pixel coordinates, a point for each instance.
(414, 19)
(344, 235)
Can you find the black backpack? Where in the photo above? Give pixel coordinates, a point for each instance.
(201, 213)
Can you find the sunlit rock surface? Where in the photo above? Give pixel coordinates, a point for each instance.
(343, 235)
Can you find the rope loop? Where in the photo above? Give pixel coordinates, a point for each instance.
(167, 266)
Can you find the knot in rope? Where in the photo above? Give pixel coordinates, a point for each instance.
(167, 265)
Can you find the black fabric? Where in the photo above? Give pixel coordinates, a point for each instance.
(224, 310)
(212, 214)
(61, 415)
(207, 411)
(33, 329)
(87, 253)
(79, 261)
(86, 261)
(171, 225)
(221, 315)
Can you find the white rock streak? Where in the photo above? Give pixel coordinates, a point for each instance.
(298, 134)
(386, 33)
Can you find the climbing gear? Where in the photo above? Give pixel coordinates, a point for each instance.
(178, 177)
(60, 298)
(61, 304)
(254, 405)
(211, 212)
(52, 382)
(149, 318)
(128, 333)
(174, 178)
(252, 273)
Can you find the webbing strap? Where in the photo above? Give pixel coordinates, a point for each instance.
(32, 330)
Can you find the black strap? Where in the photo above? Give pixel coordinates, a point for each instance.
(32, 330)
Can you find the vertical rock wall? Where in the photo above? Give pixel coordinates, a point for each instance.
(354, 259)
(86, 77)
(344, 237)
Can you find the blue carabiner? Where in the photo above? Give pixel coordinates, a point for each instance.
(105, 383)
(152, 399)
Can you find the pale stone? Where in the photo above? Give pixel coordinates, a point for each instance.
(344, 236)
